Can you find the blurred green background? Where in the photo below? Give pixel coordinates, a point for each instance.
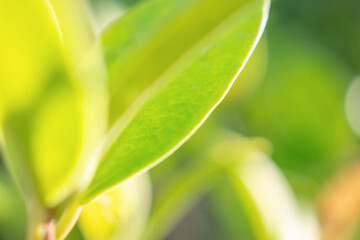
(294, 93)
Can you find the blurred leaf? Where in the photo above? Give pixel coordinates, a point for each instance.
(229, 216)
(187, 186)
(120, 214)
(39, 74)
(178, 196)
(77, 38)
(300, 109)
(75, 234)
(189, 77)
(259, 188)
(104, 12)
(270, 203)
(12, 210)
(48, 115)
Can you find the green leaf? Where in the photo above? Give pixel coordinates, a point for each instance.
(190, 52)
(48, 119)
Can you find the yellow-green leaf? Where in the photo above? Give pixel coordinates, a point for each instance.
(189, 52)
(120, 214)
(47, 123)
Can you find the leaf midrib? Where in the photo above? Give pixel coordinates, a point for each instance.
(125, 119)
(141, 100)
(163, 35)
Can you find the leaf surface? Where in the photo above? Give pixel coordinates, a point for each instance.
(44, 119)
(186, 54)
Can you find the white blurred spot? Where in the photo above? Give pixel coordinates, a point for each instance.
(352, 105)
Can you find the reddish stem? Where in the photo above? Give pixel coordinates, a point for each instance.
(50, 230)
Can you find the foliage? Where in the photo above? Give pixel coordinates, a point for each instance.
(166, 71)
(94, 94)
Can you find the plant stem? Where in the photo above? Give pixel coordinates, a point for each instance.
(41, 225)
(68, 220)
(50, 230)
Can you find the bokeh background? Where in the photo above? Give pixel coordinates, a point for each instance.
(297, 100)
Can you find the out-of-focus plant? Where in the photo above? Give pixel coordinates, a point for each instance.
(310, 133)
(299, 107)
(316, 17)
(119, 214)
(160, 70)
(12, 210)
(339, 205)
(271, 208)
